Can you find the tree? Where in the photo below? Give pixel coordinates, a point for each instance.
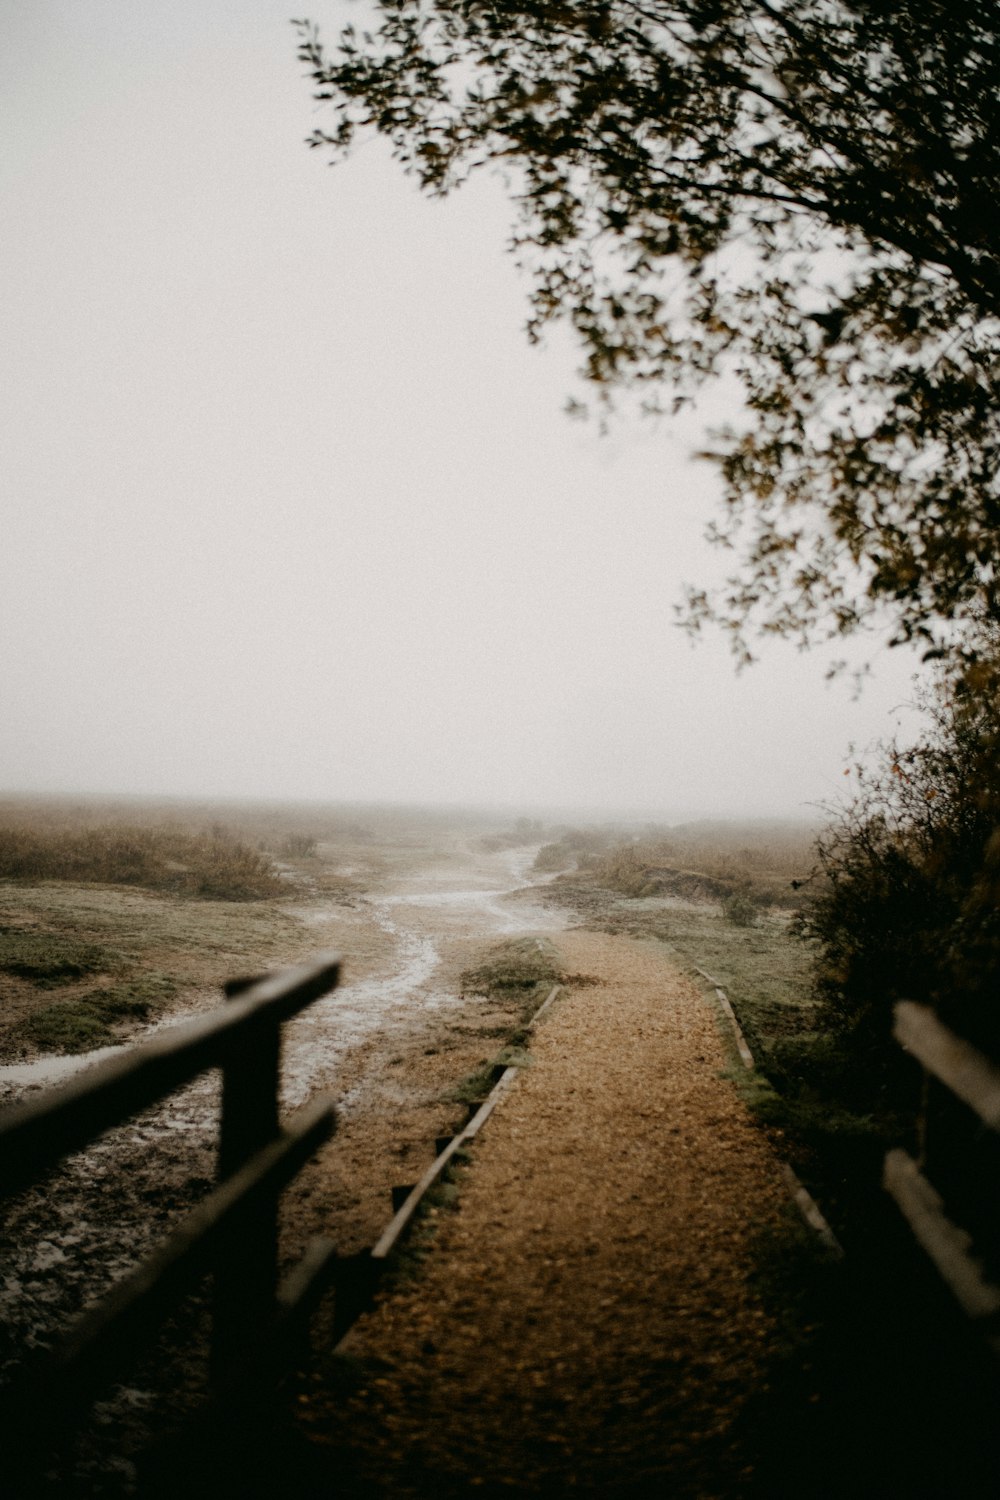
(802, 196)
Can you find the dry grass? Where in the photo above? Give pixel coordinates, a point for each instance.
(757, 862)
(213, 865)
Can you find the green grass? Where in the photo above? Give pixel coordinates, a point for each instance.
(82, 965)
(48, 959)
(524, 969)
(96, 1018)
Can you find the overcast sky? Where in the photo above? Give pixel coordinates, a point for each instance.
(289, 506)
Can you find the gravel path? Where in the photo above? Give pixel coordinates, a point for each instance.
(583, 1323)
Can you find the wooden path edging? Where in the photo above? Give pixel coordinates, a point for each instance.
(806, 1204)
(401, 1221)
(356, 1278)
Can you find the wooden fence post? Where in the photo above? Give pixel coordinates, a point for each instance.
(231, 1234)
(246, 1281)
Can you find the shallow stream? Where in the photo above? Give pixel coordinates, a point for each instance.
(414, 919)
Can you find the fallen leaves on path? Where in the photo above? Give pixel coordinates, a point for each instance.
(584, 1321)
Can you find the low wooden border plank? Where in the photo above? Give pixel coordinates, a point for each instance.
(545, 1005)
(307, 1281)
(402, 1219)
(742, 1046)
(811, 1211)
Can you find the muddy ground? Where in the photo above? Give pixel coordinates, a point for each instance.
(392, 1044)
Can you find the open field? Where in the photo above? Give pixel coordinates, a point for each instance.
(411, 900)
(112, 914)
(450, 930)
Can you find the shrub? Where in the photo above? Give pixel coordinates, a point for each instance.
(212, 865)
(298, 846)
(910, 906)
(741, 907)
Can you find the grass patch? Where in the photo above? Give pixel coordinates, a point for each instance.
(524, 970)
(48, 959)
(97, 1018)
(82, 964)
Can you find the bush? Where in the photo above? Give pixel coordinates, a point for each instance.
(741, 907)
(910, 907)
(298, 846)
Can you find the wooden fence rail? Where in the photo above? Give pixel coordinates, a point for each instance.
(232, 1233)
(951, 1062)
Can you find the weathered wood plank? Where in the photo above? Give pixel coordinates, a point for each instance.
(398, 1226)
(811, 1211)
(506, 1080)
(965, 1070)
(34, 1136)
(947, 1245)
(114, 1330)
(545, 1006)
(406, 1210)
(742, 1046)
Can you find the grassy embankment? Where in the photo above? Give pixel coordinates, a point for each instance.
(111, 913)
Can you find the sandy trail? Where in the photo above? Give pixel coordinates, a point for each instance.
(583, 1323)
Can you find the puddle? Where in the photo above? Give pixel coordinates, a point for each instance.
(34, 1075)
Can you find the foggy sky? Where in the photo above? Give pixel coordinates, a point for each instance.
(289, 506)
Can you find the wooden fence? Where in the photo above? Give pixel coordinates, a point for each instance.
(948, 1191)
(232, 1234)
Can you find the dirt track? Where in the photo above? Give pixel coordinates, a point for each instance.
(583, 1322)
